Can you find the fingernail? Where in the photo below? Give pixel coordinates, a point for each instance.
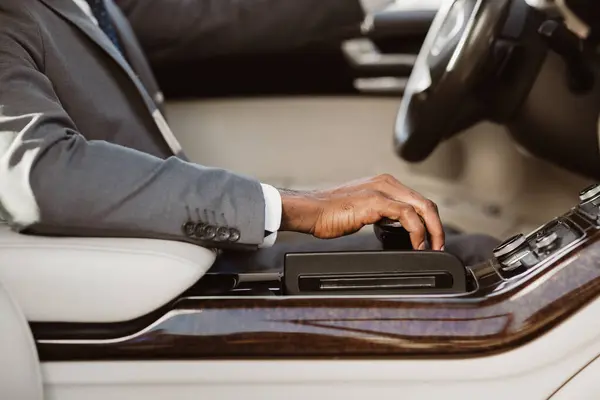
(422, 246)
(443, 248)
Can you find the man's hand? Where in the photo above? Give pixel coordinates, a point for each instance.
(344, 210)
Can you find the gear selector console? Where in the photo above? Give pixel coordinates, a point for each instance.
(396, 271)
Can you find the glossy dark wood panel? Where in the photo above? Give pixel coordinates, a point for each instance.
(357, 328)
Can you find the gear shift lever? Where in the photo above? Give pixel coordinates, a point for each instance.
(392, 235)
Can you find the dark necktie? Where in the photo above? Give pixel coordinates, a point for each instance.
(104, 22)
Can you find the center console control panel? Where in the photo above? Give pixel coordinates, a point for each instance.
(520, 254)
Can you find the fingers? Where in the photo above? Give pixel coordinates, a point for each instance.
(406, 214)
(429, 213)
(427, 209)
(375, 198)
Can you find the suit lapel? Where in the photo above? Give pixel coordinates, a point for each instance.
(73, 14)
(69, 10)
(133, 51)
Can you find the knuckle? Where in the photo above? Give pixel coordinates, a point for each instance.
(386, 178)
(430, 206)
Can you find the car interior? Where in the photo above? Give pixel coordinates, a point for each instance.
(488, 107)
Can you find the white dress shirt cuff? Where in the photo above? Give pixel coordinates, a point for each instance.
(272, 213)
(373, 6)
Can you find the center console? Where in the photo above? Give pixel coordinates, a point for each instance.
(392, 303)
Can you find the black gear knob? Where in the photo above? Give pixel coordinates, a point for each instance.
(392, 235)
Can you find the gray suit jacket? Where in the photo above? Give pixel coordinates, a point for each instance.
(80, 151)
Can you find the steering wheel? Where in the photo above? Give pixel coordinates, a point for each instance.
(440, 96)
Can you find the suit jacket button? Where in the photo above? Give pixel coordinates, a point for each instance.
(199, 230)
(222, 234)
(209, 232)
(189, 229)
(234, 235)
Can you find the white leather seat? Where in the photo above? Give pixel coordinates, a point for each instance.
(96, 279)
(20, 374)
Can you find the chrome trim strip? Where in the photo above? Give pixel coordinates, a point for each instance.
(466, 36)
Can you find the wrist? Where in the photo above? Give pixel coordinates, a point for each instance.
(300, 211)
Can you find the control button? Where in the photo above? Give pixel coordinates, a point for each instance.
(515, 256)
(547, 242)
(189, 228)
(234, 235)
(589, 193)
(509, 245)
(223, 234)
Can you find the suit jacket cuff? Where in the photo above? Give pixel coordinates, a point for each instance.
(272, 214)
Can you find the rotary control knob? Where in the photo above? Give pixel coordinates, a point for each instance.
(589, 193)
(514, 256)
(590, 202)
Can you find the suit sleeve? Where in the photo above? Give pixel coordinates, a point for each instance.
(196, 29)
(54, 181)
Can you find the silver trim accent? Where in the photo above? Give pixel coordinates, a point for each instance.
(367, 25)
(363, 53)
(159, 321)
(442, 41)
(344, 283)
(590, 194)
(382, 85)
(466, 36)
(515, 261)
